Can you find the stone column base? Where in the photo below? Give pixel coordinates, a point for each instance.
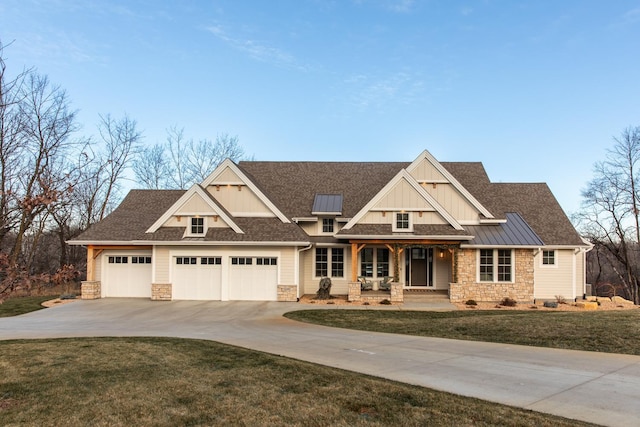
(161, 292)
(91, 289)
(287, 293)
(355, 293)
(397, 294)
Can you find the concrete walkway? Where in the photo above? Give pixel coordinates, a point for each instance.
(596, 387)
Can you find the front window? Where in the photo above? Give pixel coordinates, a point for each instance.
(374, 260)
(197, 225)
(495, 265)
(548, 257)
(323, 268)
(327, 225)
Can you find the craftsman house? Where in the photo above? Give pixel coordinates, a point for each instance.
(271, 230)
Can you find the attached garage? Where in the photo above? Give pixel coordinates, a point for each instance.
(253, 278)
(126, 275)
(197, 278)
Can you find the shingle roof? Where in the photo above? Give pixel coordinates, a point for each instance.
(292, 187)
(515, 232)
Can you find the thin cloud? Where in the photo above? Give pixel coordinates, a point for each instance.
(379, 93)
(257, 50)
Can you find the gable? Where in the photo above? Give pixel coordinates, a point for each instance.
(403, 193)
(195, 202)
(426, 170)
(239, 194)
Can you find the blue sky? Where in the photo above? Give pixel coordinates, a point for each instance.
(534, 89)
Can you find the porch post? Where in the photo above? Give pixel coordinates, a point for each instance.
(90, 263)
(354, 262)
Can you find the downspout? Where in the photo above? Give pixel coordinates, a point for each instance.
(297, 267)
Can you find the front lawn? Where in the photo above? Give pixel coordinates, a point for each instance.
(170, 381)
(21, 305)
(605, 331)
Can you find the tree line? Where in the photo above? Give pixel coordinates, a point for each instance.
(55, 181)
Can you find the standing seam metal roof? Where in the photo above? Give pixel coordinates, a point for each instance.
(514, 232)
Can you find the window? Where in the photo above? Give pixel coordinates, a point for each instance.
(118, 260)
(241, 261)
(197, 225)
(214, 260)
(186, 260)
(382, 262)
(366, 262)
(402, 222)
(140, 260)
(374, 260)
(495, 265)
(337, 262)
(548, 257)
(327, 225)
(322, 262)
(266, 261)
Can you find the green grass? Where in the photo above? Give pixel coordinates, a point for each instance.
(605, 331)
(22, 305)
(170, 381)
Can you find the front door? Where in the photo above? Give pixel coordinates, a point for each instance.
(419, 267)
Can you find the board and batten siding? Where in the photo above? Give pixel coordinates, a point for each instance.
(425, 171)
(402, 196)
(388, 218)
(561, 279)
(453, 202)
(442, 267)
(239, 201)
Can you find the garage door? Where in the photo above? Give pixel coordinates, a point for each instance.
(127, 276)
(253, 279)
(196, 278)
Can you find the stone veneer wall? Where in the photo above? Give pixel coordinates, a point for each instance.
(467, 287)
(287, 293)
(395, 295)
(161, 292)
(91, 289)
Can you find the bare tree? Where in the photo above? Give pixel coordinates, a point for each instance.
(610, 214)
(180, 163)
(152, 168)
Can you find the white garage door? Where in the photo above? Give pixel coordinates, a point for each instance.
(196, 278)
(253, 279)
(127, 276)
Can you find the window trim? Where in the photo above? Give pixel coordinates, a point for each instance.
(190, 226)
(555, 258)
(394, 226)
(495, 263)
(327, 224)
(331, 265)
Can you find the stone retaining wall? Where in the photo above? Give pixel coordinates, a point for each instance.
(287, 293)
(521, 289)
(161, 292)
(395, 295)
(91, 289)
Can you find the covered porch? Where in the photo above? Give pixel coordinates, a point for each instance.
(407, 265)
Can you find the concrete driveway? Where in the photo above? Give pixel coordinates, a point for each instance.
(601, 388)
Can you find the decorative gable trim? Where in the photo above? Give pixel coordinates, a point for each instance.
(425, 155)
(227, 163)
(404, 175)
(195, 190)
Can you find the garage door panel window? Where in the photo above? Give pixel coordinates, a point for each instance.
(211, 260)
(185, 260)
(241, 261)
(140, 260)
(118, 260)
(267, 261)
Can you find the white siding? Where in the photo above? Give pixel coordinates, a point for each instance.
(425, 171)
(309, 283)
(555, 280)
(403, 196)
(161, 260)
(453, 202)
(241, 202)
